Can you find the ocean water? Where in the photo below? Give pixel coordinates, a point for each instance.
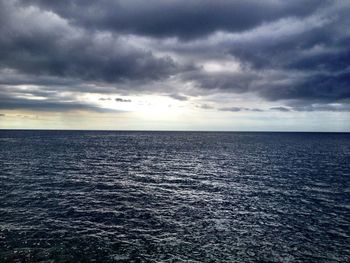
(73, 196)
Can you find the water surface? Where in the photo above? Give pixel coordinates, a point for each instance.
(174, 197)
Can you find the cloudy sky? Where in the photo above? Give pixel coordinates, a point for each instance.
(175, 64)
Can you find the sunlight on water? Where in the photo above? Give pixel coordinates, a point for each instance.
(174, 197)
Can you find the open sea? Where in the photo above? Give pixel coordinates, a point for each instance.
(90, 196)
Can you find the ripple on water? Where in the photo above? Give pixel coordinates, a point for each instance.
(174, 197)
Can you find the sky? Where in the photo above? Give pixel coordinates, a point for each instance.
(226, 65)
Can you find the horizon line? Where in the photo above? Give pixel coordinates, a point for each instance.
(204, 131)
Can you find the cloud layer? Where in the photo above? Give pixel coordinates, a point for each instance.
(295, 53)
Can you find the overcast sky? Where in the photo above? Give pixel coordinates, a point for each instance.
(175, 64)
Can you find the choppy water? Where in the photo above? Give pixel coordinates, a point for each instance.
(174, 197)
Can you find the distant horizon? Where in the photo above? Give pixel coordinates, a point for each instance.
(219, 131)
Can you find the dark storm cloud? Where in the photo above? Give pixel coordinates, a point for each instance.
(12, 103)
(57, 49)
(179, 18)
(16, 79)
(315, 44)
(286, 51)
(16, 98)
(323, 87)
(290, 59)
(318, 50)
(237, 82)
(82, 59)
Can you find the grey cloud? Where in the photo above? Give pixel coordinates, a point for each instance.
(178, 97)
(320, 86)
(237, 109)
(182, 18)
(276, 84)
(290, 59)
(53, 103)
(12, 81)
(122, 100)
(286, 50)
(104, 99)
(306, 107)
(37, 92)
(233, 109)
(238, 82)
(256, 110)
(16, 79)
(205, 106)
(60, 106)
(320, 51)
(57, 49)
(283, 109)
(324, 107)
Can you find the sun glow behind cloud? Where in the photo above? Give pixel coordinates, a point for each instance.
(146, 107)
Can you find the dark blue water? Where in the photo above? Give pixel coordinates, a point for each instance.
(174, 197)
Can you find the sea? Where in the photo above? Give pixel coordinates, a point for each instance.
(135, 196)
